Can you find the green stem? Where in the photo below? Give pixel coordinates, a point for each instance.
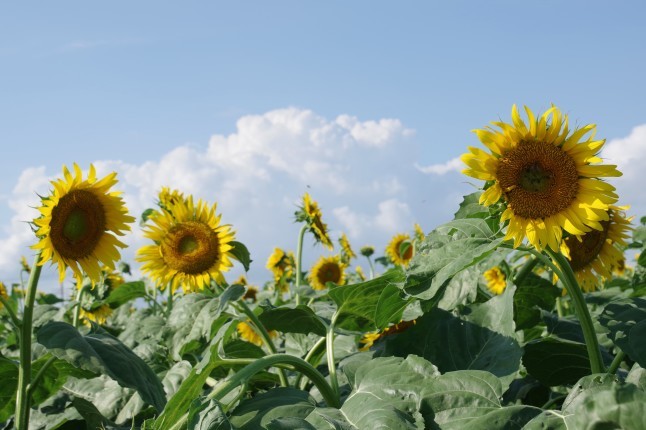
(300, 365)
(614, 366)
(77, 309)
(329, 343)
(525, 270)
(265, 336)
(308, 358)
(299, 262)
(39, 375)
(169, 304)
(552, 402)
(581, 309)
(12, 314)
(24, 371)
(372, 268)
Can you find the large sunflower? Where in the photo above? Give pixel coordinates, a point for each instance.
(546, 177)
(400, 249)
(596, 253)
(327, 269)
(78, 222)
(191, 247)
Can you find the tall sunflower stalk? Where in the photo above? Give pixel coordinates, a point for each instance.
(546, 182)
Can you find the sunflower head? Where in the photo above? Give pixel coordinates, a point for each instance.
(598, 253)
(310, 213)
(367, 251)
(545, 177)
(25, 267)
(359, 271)
(168, 198)
(97, 314)
(3, 293)
(419, 233)
(190, 247)
(327, 269)
(496, 280)
(251, 293)
(400, 249)
(78, 222)
(347, 253)
(282, 266)
(369, 339)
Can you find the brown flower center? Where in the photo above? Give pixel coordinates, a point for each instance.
(329, 272)
(190, 247)
(538, 179)
(77, 225)
(584, 252)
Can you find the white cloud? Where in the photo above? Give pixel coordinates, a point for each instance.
(453, 165)
(629, 154)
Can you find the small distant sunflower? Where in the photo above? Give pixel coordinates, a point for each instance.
(282, 265)
(249, 334)
(311, 214)
(25, 267)
(191, 247)
(251, 293)
(346, 250)
(369, 339)
(99, 314)
(400, 249)
(3, 293)
(598, 253)
(327, 269)
(546, 177)
(78, 222)
(419, 233)
(367, 251)
(496, 281)
(359, 271)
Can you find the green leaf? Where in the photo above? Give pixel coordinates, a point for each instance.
(190, 389)
(291, 423)
(8, 387)
(280, 402)
(240, 349)
(360, 305)
(300, 319)
(534, 294)
(626, 321)
(511, 417)
(207, 414)
(476, 339)
(470, 208)
(125, 293)
(104, 354)
(556, 362)
(241, 253)
(446, 251)
(642, 259)
(91, 414)
(637, 376)
(230, 294)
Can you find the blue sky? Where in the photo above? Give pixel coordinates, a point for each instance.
(125, 84)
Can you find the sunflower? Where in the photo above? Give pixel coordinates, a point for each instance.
(545, 176)
(167, 198)
(327, 269)
(248, 333)
(419, 233)
(598, 253)
(496, 281)
(282, 265)
(99, 314)
(367, 251)
(311, 214)
(346, 250)
(251, 293)
(191, 247)
(24, 265)
(3, 293)
(78, 222)
(400, 249)
(359, 271)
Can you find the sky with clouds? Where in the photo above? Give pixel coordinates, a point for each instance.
(366, 105)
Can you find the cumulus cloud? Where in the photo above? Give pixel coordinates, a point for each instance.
(358, 171)
(629, 154)
(453, 165)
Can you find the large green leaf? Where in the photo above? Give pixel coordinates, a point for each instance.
(125, 293)
(626, 322)
(475, 339)
(207, 414)
(241, 253)
(446, 251)
(300, 319)
(8, 387)
(104, 354)
(361, 305)
(280, 402)
(533, 294)
(471, 208)
(556, 362)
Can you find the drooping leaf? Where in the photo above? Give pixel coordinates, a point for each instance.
(280, 402)
(125, 293)
(300, 319)
(626, 321)
(241, 253)
(535, 293)
(104, 354)
(207, 414)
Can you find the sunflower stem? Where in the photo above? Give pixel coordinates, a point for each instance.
(314, 350)
(299, 262)
(24, 370)
(525, 270)
(169, 304)
(41, 373)
(614, 366)
(329, 343)
(265, 337)
(581, 309)
(372, 268)
(77, 309)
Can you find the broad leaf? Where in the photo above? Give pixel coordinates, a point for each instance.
(556, 362)
(125, 293)
(104, 354)
(626, 322)
(300, 319)
(207, 414)
(280, 402)
(535, 293)
(241, 253)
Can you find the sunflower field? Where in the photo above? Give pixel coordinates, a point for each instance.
(526, 311)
